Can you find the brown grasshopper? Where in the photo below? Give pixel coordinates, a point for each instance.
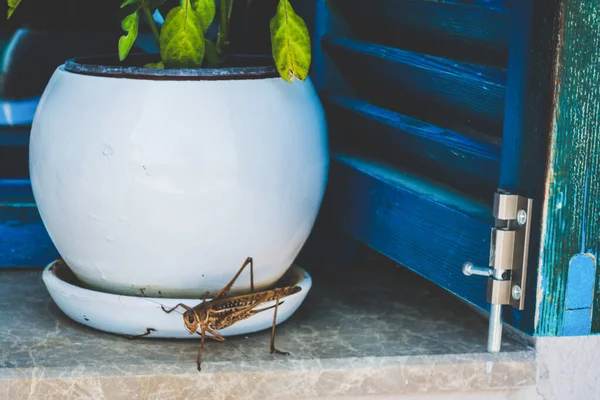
(221, 312)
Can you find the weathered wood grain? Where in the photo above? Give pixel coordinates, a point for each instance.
(425, 227)
(571, 210)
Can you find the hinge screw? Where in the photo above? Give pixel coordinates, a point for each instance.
(516, 292)
(522, 217)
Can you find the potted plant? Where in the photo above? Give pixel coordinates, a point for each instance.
(159, 174)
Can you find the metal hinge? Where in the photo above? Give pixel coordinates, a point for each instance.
(507, 269)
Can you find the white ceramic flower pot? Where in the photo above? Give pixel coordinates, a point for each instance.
(164, 181)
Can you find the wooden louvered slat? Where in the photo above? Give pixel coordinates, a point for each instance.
(442, 154)
(425, 227)
(469, 30)
(460, 96)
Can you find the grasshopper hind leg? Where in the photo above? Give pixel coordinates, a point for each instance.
(225, 291)
(272, 346)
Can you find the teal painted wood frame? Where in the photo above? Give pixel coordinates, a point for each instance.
(568, 301)
(555, 101)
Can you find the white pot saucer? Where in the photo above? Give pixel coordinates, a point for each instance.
(131, 315)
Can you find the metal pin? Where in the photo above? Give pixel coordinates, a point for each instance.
(470, 269)
(495, 329)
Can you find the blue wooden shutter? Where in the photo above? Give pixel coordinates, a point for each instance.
(415, 93)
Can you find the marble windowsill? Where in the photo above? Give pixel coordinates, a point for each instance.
(375, 330)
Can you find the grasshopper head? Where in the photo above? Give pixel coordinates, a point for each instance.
(191, 321)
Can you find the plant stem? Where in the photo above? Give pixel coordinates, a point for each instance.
(226, 6)
(152, 24)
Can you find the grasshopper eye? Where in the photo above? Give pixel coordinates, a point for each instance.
(190, 318)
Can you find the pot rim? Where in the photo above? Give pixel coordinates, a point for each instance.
(241, 67)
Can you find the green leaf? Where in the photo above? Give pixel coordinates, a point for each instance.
(12, 5)
(211, 54)
(206, 10)
(291, 43)
(182, 38)
(130, 25)
(158, 64)
(129, 2)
